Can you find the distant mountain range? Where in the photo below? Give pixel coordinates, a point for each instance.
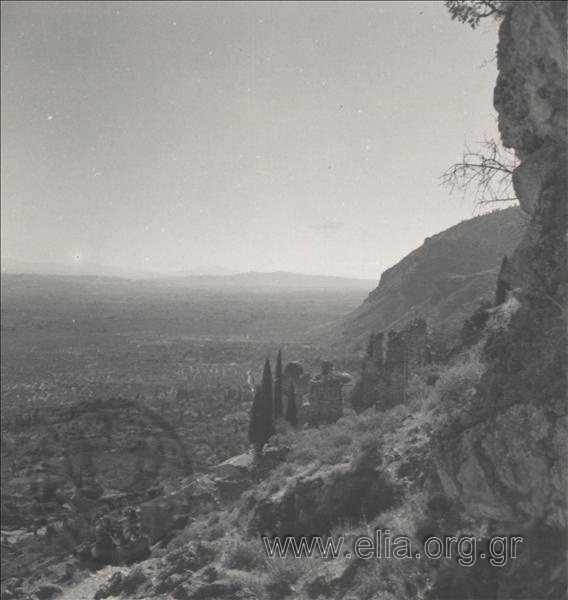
(275, 280)
(278, 280)
(14, 266)
(442, 281)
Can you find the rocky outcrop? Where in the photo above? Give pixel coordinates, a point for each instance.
(505, 462)
(531, 99)
(530, 94)
(316, 498)
(502, 469)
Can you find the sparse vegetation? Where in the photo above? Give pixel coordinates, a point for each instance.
(459, 382)
(473, 326)
(244, 555)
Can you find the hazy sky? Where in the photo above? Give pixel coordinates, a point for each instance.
(252, 136)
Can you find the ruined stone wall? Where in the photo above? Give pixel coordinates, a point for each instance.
(319, 397)
(390, 358)
(294, 373)
(325, 399)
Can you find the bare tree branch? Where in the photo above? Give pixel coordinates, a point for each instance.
(486, 173)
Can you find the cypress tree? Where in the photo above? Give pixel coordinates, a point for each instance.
(278, 387)
(291, 408)
(267, 411)
(261, 425)
(255, 421)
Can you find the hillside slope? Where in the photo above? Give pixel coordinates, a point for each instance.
(443, 280)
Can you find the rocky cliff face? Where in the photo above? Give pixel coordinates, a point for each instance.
(506, 462)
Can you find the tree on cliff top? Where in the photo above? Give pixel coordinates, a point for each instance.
(278, 386)
(473, 11)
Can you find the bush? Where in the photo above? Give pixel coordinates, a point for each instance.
(215, 532)
(420, 385)
(473, 326)
(285, 572)
(369, 446)
(245, 555)
(458, 383)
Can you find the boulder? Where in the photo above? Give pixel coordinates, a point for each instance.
(312, 501)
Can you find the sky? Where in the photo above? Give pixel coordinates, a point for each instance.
(178, 136)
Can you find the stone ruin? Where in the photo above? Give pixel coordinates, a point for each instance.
(319, 397)
(294, 373)
(325, 397)
(390, 358)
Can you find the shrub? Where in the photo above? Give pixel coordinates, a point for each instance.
(215, 532)
(245, 555)
(369, 446)
(285, 572)
(473, 326)
(340, 437)
(133, 580)
(273, 487)
(420, 384)
(458, 383)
